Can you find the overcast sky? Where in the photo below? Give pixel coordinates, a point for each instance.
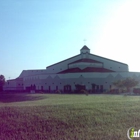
(37, 33)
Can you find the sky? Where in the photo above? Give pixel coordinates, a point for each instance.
(38, 33)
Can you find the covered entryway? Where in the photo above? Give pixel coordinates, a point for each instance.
(67, 88)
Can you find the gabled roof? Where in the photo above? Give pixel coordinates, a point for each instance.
(85, 48)
(108, 59)
(90, 54)
(17, 79)
(86, 60)
(88, 69)
(63, 61)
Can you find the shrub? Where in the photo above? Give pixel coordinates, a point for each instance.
(84, 91)
(58, 91)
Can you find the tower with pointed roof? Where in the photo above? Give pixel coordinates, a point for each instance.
(85, 49)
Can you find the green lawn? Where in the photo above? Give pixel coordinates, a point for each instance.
(67, 117)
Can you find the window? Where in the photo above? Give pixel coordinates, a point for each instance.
(49, 88)
(101, 86)
(97, 87)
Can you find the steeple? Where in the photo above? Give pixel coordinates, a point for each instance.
(85, 49)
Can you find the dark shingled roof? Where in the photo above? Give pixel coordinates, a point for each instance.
(17, 79)
(86, 60)
(85, 48)
(63, 61)
(88, 69)
(90, 54)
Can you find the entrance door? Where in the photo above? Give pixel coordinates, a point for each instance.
(97, 88)
(93, 88)
(101, 88)
(41, 88)
(49, 88)
(67, 88)
(56, 87)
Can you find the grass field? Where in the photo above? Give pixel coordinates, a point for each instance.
(67, 117)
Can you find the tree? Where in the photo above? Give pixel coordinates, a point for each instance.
(126, 83)
(79, 88)
(118, 84)
(2, 82)
(129, 83)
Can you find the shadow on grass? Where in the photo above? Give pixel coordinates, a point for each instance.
(9, 98)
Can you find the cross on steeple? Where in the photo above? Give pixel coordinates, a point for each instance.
(84, 41)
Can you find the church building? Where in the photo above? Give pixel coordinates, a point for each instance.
(94, 73)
